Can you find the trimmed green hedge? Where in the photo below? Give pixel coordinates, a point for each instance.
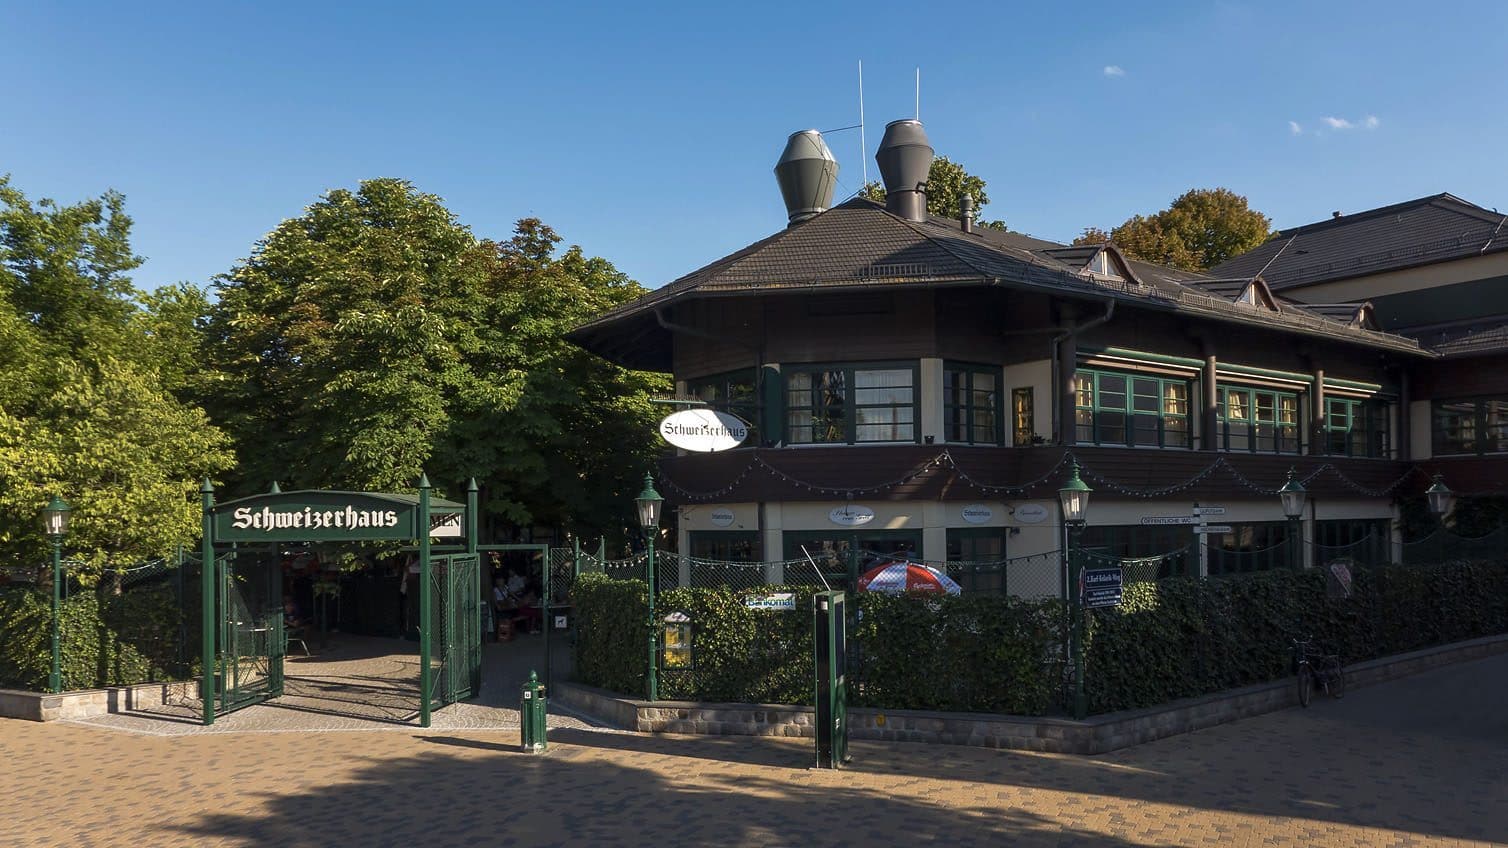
(106, 639)
(1182, 637)
(920, 652)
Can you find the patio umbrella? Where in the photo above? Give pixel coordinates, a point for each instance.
(896, 577)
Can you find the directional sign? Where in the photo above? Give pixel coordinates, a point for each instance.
(1096, 598)
(1209, 510)
(1170, 519)
(1213, 528)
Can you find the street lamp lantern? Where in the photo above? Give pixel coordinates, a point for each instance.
(55, 518)
(1075, 498)
(1293, 494)
(1440, 498)
(648, 503)
(55, 523)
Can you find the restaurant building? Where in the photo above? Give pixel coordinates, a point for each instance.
(919, 384)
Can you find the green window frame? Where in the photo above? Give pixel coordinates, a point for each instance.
(1470, 426)
(725, 545)
(1257, 420)
(852, 403)
(735, 392)
(1131, 408)
(972, 404)
(1356, 427)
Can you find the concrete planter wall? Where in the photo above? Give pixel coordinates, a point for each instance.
(1094, 735)
(87, 703)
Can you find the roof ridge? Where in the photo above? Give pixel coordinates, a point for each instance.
(1383, 211)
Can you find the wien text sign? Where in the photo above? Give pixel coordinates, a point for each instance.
(1102, 587)
(319, 516)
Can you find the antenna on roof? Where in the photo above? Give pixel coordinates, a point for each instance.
(863, 148)
(918, 93)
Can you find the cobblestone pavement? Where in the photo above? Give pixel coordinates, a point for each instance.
(1421, 761)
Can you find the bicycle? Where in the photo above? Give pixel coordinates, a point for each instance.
(1313, 667)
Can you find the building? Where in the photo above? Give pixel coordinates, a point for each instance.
(921, 385)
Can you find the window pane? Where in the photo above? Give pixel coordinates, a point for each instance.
(1495, 426)
(1112, 427)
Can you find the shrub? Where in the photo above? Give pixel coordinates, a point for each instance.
(105, 639)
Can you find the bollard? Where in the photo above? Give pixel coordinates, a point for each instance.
(532, 712)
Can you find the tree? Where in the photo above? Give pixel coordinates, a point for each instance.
(84, 413)
(1092, 235)
(947, 183)
(1201, 229)
(375, 336)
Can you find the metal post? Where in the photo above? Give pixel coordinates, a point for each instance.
(1295, 545)
(1076, 567)
(653, 680)
(426, 593)
(55, 677)
(207, 600)
(544, 552)
(472, 499)
(575, 558)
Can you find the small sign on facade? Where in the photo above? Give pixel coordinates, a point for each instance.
(1212, 528)
(1209, 510)
(978, 514)
(722, 517)
(446, 526)
(561, 622)
(849, 515)
(782, 601)
(703, 430)
(1030, 513)
(1162, 520)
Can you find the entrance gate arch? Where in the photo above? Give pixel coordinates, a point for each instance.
(242, 648)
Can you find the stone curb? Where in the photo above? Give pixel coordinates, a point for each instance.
(1094, 735)
(88, 703)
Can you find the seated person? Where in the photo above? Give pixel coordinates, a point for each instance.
(529, 609)
(293, 617)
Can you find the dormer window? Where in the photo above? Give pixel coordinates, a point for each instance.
(1103, 266)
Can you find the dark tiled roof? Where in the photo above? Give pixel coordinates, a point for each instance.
(1077, 256)
(1430, 229)
(860, 244)
(1466, 338)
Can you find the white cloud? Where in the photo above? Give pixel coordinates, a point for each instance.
(1338, 123)
(1371, 122)
(1114, 71)
(1294, 128)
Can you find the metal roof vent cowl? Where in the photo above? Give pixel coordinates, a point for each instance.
(807, 173)
(966, 213)
(905, 159)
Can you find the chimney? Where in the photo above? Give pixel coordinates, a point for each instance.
(905, 159)
(806, 173)
(966, 212)
(1335, 214)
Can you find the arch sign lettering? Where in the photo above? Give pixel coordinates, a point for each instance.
(704, 430)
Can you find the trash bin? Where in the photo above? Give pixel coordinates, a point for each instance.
(532, 712)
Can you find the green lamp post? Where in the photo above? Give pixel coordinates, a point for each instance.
(648, 504)
(55, 524)
(1074, 499)
(1294, 495)
(1440, 498)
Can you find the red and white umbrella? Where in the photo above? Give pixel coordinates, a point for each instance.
(897, 577)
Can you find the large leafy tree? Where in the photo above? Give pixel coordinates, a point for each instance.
(1199, 230)
(947, 183)
(86, 410)
(375, 336)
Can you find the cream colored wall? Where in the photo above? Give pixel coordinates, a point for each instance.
(1038, 377)
(1421, 437)
(931, 396)
(1406, 280)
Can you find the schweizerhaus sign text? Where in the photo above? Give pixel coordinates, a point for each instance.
(311, 518)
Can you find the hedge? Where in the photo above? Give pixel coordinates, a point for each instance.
(1182, 637)
(912, 651)
(106, 639)
(1176, 638)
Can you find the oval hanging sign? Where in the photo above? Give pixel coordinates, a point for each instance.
(703, 430)
(850, 515)
(1030, 513)
(978, 514)
(722, 517)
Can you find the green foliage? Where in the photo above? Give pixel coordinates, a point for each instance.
(375, 335)
(912, 652)
(968, 653)
(1182, 637)
(87, 404)
(1199, 230)
(106, 639)
(947, 183)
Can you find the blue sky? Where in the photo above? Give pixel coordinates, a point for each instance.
(647, 132)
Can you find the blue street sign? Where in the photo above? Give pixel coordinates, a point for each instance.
(1102, 587)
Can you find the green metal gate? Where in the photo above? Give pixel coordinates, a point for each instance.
(456, 613)
(250, 639)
